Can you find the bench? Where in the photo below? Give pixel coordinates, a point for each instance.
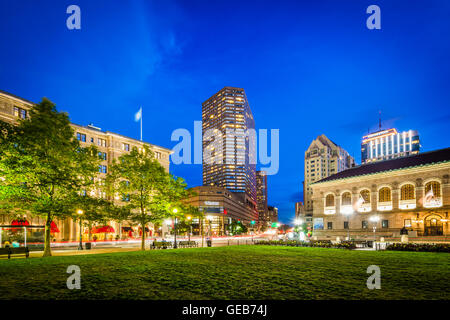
(12, 251)
(187, 244)
(360, 243)
(161, 245)
(320, 241)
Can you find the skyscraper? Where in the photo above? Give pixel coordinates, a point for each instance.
(273, 214)
(299, 209)
(322, 159)
(261, 196)
(227, 157)
(389, 144)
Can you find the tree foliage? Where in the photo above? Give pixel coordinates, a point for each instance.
(148, 193)
(43, 166)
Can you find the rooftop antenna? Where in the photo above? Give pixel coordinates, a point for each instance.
(379, 123)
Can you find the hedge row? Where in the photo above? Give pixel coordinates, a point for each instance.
(317, 244)
(420, 247)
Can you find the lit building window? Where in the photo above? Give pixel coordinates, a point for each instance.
(346, 199)
(384, 195)
(101, 142)
(365, 195)
(81, 137)
(329, 200)
(19, 112)
(433, 187)
(432, 198)
(407, 192)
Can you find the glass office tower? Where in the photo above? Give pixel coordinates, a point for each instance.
(227, 156)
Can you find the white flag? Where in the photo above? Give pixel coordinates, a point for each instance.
(361, 200)
(138, 115)
(430, 195)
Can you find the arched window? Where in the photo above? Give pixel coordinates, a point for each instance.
(365, 194)
(407, 192)
(329, 200)
(384, 195)
(346, 199)
(433, 186)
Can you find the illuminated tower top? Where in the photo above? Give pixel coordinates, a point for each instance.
(389, 144)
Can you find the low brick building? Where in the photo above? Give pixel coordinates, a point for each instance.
(222, 207)
(110, 146)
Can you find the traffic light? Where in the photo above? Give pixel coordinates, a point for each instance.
(252, 222)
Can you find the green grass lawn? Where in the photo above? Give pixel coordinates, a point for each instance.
(235, 272)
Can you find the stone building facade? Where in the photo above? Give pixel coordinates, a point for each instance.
(322, 159)
(380, 199)
(110, 146)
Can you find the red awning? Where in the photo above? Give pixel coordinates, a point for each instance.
(20, 222)
(54, 228)
(104, 229)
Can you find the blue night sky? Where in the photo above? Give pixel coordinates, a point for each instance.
(308, 67)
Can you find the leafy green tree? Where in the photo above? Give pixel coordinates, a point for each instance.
(149, 194)
(170, 199)
(43, 166)
(94, 211)
(237, 227)
(8, 209)
(118, 213)
(137, 179)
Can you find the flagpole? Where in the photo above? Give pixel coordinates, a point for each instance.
(141, 123)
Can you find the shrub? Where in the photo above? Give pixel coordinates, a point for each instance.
(317, 244)
(420, 247)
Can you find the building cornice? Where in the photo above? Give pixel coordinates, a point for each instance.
(388, 173)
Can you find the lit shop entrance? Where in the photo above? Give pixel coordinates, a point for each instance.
(433, 226)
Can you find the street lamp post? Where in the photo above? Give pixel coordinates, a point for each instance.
(375, 220)
(209, 241)
(175, 229)
(190, 227)
(348, 214)
(253, 228)
(80, 245)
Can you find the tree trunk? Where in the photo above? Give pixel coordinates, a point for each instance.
(89, 232)
(143, 237)
(202, 230)
(47, 249)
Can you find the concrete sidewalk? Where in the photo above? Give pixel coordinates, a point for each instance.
(38, 254)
